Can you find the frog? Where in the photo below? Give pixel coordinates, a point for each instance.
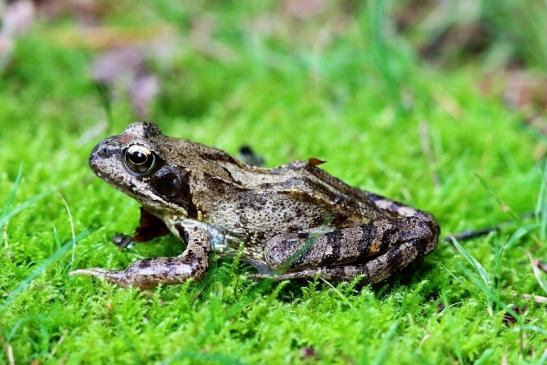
(294, 221)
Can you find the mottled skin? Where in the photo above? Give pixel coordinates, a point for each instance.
(293, 221)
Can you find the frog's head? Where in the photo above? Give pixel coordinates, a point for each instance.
(133, 163)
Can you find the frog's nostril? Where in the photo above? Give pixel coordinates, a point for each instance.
(100, 152)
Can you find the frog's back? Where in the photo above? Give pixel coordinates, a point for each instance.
(255, 204)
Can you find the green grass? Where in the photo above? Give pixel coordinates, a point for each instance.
(363, 101)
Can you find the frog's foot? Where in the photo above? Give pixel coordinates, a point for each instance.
(122, 241)
(98, 273)
(248, 156)
(149, 273)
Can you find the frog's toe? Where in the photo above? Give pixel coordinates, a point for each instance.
(95, 271)
(265, 276)
(114, 277)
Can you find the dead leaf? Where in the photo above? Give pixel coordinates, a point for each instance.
(303, 9)
(85, 11)
(109, 67)
(440, 307)
(18, 18)
(536, 298)
(126, 68)
(315, 161)
(8, 350)
(539, 264)
(308, 352)
(508, 317)
(525, 90)
(142, 92)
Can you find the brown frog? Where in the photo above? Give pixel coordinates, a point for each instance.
(292, 221)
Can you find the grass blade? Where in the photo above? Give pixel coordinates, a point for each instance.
(18, 209)
(541, 205)
(13, 191)
(486, 286)
(383, 353)
(501, 204)
(519, 233)
(102, 92)
(43, 266)
(477, 265)
(485, 356)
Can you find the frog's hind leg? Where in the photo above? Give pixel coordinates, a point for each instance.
(375, 250)
(373, 271)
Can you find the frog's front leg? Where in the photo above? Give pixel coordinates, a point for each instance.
(375, 250)
(148, 273)
(149, 228)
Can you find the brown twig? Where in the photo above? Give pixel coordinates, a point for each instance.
(474, 233)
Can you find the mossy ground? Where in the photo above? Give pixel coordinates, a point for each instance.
(385, 122)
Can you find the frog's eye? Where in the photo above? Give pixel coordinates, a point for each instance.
(139, 159)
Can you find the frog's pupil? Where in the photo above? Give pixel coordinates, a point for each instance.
(138, 157)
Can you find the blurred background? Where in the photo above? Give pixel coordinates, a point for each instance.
(171, 57)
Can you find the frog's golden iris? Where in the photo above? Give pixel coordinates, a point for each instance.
(139, 159)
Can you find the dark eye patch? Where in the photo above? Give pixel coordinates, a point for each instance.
(172, 184)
